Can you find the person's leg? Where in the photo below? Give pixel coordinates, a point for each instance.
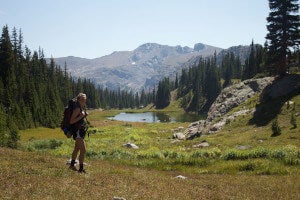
(82, 147)
(74, 155)
(76, 149)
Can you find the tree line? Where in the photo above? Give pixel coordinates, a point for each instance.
(33, 92)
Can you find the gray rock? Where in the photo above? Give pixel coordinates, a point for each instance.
(201, 145)
(243, 147)
(181, 177)
(179, 136)
(192, 132)
(281, 87)
(130, 145)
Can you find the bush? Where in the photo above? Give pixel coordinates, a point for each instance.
(249, 166)
(293, 121)
(230, 155)
(45, 144)
(259, 153)
(213, 153)
(276, 131)
(13, 139)
(234, 154)
(278, 154)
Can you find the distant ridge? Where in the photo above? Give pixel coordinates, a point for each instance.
(134, 70)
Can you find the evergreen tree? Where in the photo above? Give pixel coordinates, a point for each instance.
(227, 68)
(212, 85)
(163, 93)
(176, 82)
(143, 98)
(284, 34)
(6, 55)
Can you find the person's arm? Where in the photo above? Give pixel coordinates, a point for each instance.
(76, 116)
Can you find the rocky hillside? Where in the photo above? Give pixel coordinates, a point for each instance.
(231, 97)
(133, 70)
(239, 51)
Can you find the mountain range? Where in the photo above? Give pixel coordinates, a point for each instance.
(141, 68)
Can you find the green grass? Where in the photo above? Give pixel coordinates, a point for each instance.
(38, 175)
(270, 166)
(157, 149)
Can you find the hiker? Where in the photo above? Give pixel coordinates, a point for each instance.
(78, 124)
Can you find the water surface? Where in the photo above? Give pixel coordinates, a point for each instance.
(152, 117)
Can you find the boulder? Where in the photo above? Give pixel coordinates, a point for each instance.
(280, 87)
(179, 136)
(202, 144)
(130, 145)
(181, 177)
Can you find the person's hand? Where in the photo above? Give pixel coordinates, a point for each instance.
(83, 114)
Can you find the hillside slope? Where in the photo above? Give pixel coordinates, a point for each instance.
(227, 106)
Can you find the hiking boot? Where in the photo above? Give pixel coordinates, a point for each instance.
(73, 168)
(81, 171)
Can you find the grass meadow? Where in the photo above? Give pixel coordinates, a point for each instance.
(244, 160)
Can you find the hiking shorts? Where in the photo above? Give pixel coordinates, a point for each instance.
(80, 133)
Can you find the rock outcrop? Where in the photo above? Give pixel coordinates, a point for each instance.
(236, 94)
(228, 99)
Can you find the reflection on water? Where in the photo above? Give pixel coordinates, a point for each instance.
(151, 117)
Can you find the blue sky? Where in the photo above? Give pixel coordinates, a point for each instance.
(94, 28)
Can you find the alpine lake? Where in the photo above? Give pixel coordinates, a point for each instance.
(154, 117)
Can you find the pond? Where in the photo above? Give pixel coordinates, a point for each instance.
(152, 117)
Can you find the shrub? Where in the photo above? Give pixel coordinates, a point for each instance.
(213, 153)
(259, 153)
(275, 128)
(13, 139)
(249, 166)
(45, 144)
(278, 154)
(230, 155)
(293, 121)
(234, 154)
(172, 154)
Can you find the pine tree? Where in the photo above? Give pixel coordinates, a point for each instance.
(284, 34)
(227, 68)
(176, 81)
(212, 86)
(163, 93)
(6, 55)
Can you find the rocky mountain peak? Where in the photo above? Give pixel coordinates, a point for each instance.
(199, 47)
(134, 70)
(147, 47)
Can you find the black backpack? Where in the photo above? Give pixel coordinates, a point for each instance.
(65, 123)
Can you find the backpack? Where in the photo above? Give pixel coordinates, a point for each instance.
(65, 123)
